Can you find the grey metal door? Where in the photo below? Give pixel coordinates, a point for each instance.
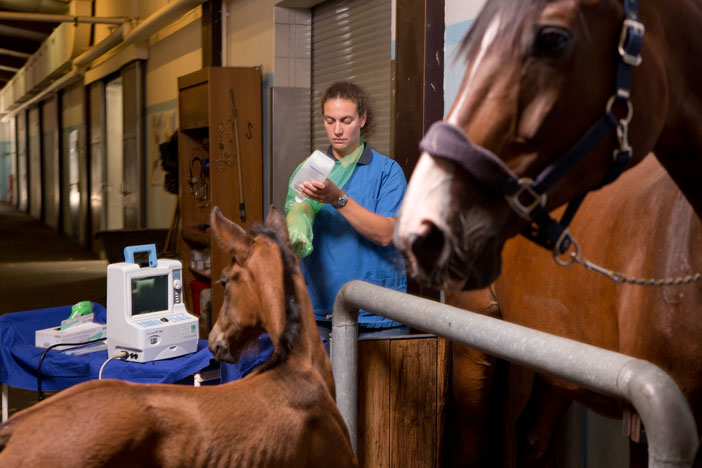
(35, 166)
(133, 125)
(96, 109)
(22, 177)
(50, 162)
(352, 41)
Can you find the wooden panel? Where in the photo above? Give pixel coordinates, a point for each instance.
(191, 102)
(374, 403)
(194, 212)
(245, 84)
(413, 403)
(442, 394)
(208, 133)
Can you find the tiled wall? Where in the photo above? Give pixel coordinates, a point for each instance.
(293, 47)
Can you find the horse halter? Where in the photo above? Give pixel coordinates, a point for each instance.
(527, 197)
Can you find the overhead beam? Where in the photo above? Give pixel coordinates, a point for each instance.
(19, 44)
(43, 17)
(14, 53)
(12, 61)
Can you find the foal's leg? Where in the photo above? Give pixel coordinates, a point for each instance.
(536, 423)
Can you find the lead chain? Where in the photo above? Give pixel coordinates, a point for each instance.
(622, 278)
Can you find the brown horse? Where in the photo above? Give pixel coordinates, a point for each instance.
(556, 95)
(283, 414)
(646, 214)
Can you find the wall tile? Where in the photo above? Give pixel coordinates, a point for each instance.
(302, 73)
(303, 16)
(282, 76)
(283, 48)
(284, 15)
(303, 41)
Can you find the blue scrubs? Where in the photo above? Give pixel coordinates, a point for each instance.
(341, 254)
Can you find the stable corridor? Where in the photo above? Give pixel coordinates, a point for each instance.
(41, 268)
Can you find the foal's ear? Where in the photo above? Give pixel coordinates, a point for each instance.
(276, 220)
(230, 236)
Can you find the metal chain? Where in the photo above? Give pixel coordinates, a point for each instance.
(622, 278)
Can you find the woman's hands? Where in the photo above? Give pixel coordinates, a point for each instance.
(323, 192)
(377, 229)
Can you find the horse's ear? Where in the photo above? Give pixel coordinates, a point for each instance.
(230, 236)
(276, 220)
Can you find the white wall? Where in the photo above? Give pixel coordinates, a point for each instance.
(460, 15)
(172, 53)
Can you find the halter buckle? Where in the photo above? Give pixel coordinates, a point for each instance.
(564, 243)
(524, 208)
(630, 29)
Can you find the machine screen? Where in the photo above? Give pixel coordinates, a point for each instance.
(149, 294)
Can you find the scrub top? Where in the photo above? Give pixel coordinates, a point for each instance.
(341, 254)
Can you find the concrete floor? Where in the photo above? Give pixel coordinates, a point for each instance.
(40, 268)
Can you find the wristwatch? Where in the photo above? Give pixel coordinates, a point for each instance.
(341, 202)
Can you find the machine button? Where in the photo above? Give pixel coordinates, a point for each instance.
(164, 319)
(176, 284)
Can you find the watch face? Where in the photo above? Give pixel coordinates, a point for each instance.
(341, 202)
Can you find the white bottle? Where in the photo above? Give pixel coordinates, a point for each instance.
(316, 167)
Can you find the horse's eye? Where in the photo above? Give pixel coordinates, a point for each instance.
(551, 41)
(222, 281)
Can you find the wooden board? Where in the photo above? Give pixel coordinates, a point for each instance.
(401, 393)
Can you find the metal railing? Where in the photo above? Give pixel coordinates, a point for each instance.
(670, 426)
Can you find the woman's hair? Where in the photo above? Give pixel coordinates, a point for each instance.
(353, 92)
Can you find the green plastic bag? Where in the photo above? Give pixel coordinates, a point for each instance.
(300, 215)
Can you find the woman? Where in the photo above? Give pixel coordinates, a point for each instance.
(351, 221)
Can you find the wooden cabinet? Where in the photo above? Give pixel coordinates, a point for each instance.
(220, 164)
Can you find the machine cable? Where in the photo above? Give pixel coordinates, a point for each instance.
(118, 355)
(40, 395)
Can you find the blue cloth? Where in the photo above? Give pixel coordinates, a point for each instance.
(341, 254)
(19, 357)
(251, 358)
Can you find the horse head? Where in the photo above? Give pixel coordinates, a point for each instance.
(258, 289)
(543, 77)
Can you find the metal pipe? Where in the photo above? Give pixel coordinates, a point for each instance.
(67, 79)
(670, 427)
(160, 19)
(131, 34)
(112, 40)
(53, 18)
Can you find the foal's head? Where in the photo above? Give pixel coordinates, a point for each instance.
(259, 294)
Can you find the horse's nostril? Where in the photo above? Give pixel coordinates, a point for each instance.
(216, 349)
(427, 246)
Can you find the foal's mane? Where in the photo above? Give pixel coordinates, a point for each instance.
(291, 332)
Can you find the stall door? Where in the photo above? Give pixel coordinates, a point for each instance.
(132, 143)
(96, 106)
(115, 155)
(351, 40)
(35, 169)
(22, 174)
(50, 162)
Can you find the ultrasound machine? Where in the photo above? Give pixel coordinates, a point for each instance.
(146, 315)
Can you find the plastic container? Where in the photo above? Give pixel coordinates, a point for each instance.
(317, 167)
